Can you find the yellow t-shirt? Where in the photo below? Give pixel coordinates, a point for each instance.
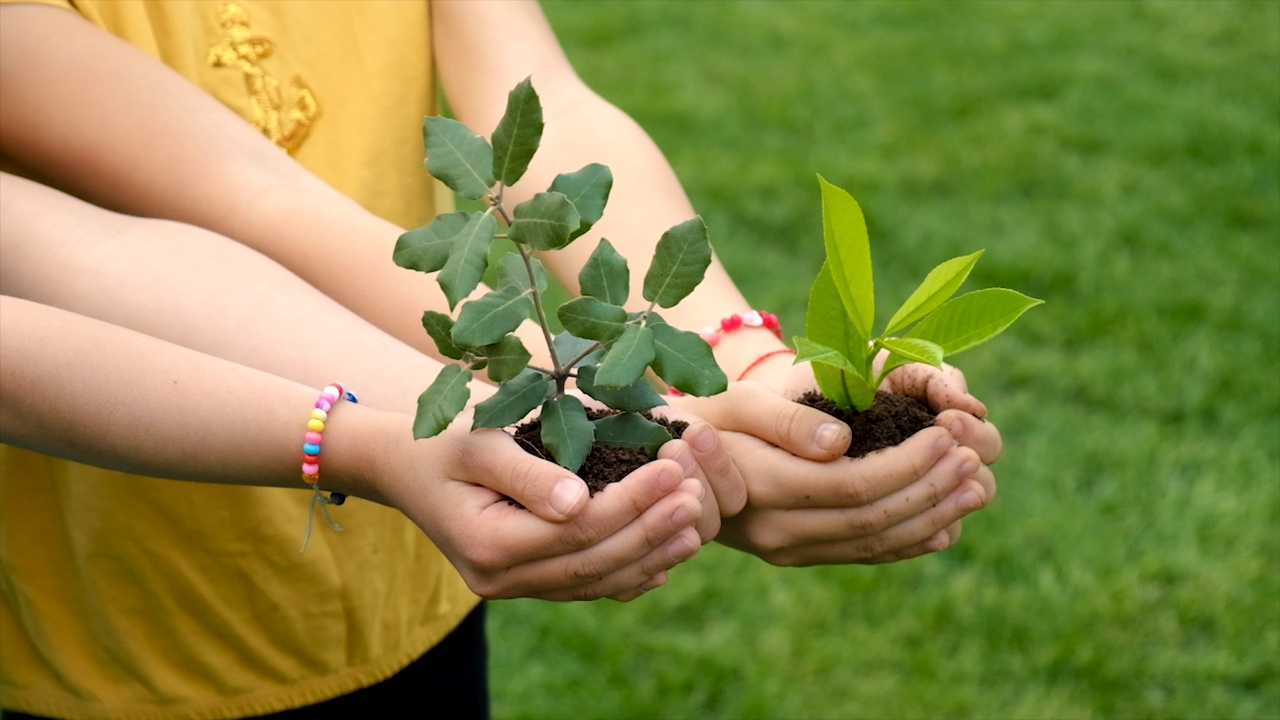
(133, 597)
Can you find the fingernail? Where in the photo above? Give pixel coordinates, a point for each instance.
(956, 428)
(967, 469)
(827, 436)
(566, 495)
(654, 582)
(683, 517)
(687, 461)
(969, 501)
(939, 542)
(681, 549)
(703, 440)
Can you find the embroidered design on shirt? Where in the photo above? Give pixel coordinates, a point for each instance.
(284, 114)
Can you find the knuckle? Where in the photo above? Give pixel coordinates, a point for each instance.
(584, 571)
(581, 534)
(787, 420)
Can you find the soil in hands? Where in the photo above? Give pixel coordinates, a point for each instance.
(891, 419)
(604, 465)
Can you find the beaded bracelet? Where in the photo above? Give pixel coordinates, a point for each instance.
(331, 395)
(749, 319)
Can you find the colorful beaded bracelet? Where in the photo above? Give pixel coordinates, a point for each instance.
(311, 443)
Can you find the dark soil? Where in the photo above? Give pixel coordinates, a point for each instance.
(891, 419)
(604, 465)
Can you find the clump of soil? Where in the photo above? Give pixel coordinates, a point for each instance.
(891, 419)
(604, 465)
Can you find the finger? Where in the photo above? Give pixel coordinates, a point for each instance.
(716, 465)
(649, 585)
(942, 388)
(969, 431)
(885, 525)
(655, 543)
(544, 488)
(842, 483)
(709, 523)
(754, 409)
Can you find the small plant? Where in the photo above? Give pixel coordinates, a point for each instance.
(929, 326)
(605, 348)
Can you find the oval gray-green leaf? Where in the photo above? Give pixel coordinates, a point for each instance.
(513, 401)
(569, 347)
(513, 271)
(441, 402)
(468, 258)
(516, 138)
(544, 221)
(636, 397)
(629, 430)
(439, 326)
(587, 317)
(626, 360)
(426, 249)
(938, 286)
(457, 157)
(972, 319)
(605, 275)
(679, 263)
(485, 320)
(566, 431)
(684, 361)
(588, 190)
(507, 358)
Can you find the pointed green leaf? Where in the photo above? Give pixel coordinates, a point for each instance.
(588, 190)
(439, 326)
(513, 401)
(636, 397)
(507, 358)
(627, 358)
(426, 249)
(679, 263)
(844, 233)
(458, 157)
(440, 403)
(544, 221)
(518, 133)
(629, 430)
(915, 350)
(485, 320)
(972, 318)
(838, 379)
(684, 361)
(512, 271)
(566, 431)
(468, 258)
(812, 352)
(605, 275)
(587, 317)
(939, 285)
(569, 347)
(828, 324)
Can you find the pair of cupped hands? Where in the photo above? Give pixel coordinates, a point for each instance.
(754, 470)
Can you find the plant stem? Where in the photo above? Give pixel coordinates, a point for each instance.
(559, 372)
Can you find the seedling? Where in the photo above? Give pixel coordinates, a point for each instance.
(929, 326)
(605, 348)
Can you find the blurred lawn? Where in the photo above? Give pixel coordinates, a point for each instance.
(1120, 160)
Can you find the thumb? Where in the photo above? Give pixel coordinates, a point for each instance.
(543, 487)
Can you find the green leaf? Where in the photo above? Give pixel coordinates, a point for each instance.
(588, 190)
(468, 258)
(587, 317)
(440, 403)
(426, 249)
(512, 271)
(972, 319)
(566, 431)
(507, 358)
(518, 133)
(458, 157)
(827, 323)
(544, 221)
(605, 275)
(439, 326)
(939, 285)
(485, 320)
(636, 397)
(812, 352)
(569, 347)
(513, 401)
(627, 358)
(915, 350)
(684, 361)
(679, 263)
(844, 233)
(630, 430)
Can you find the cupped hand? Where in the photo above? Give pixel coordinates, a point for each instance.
(561, 545)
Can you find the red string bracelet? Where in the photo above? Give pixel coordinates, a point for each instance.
(755, 363)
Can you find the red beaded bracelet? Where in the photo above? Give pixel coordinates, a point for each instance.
(748, 319)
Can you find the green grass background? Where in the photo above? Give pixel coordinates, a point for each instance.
(1120, 160)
